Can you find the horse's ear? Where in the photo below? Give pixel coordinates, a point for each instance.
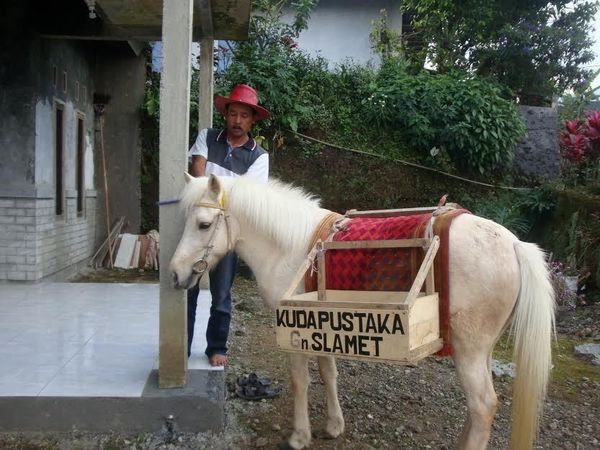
(188, 177)
(214, 185)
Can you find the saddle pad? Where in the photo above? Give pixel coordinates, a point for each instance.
(388, 269)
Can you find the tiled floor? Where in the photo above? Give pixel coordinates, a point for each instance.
(84, 339)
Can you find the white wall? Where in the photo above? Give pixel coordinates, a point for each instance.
(44, 145)
(595, 64)
(339, 29)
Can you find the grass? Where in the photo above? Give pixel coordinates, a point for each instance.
(569, 371)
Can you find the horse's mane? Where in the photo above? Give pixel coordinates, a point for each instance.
(282, 212)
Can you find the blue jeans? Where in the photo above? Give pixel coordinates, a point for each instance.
(217, 330)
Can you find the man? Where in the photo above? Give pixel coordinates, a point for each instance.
(230, 152)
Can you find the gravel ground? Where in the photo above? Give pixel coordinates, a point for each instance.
(385, 405)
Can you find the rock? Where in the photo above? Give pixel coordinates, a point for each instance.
(500, 369)
(276, 427)
(588, 350)
(584, 332)
(261, 442)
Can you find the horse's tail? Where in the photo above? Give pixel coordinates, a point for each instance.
(533, 327)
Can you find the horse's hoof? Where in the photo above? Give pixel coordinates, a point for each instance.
(335, 427)
(298, 440)
(323, 434)
(285, 445)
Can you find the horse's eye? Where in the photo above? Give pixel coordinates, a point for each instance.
(204, 225)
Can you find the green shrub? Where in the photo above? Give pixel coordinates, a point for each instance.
(467, 117)
(518, 211)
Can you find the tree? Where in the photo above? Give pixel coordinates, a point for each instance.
(268, 60)
(535, 47)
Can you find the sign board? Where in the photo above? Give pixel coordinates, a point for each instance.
(351, 327)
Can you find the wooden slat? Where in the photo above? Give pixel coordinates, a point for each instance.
(430, 281)
(390, 212)
(386, 243)
(321, 276)
(423, 271)
(100, 255)
(349, 304)
(414, 356)
(424, 321)
(353, 338)
(335, 295)
(428, 349)
(300, 273)
(358, 299)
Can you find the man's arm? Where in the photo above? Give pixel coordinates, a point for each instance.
(198, 166)
(199, 154)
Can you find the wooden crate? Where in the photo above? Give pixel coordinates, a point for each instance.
(400, 327)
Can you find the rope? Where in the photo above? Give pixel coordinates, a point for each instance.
(167, 202)
(324, 228)
(408, 163)
(321, 232)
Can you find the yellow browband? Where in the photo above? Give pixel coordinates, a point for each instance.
(222, 203)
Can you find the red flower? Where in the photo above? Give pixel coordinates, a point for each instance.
(581, 140)
(574, 145)
(593, 125)
(572, 126)
(574, 154)
(593, 135)
(594, 119)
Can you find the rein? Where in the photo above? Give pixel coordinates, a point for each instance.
(200, 266)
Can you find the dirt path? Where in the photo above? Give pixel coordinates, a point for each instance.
(385, 405)
(395, 406)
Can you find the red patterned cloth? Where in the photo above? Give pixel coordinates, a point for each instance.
(388, 269)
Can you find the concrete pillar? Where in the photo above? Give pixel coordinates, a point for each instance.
(174, 119)
(205, 84)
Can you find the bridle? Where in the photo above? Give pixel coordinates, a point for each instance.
(200, 266)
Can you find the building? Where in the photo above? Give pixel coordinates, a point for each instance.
(72, 76)
(339, 30)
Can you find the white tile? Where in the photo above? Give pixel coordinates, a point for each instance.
(87, 339)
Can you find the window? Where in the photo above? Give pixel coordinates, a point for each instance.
(80, 164)
(77, 90)
(59, 114)
(54, 76)
(64, 82)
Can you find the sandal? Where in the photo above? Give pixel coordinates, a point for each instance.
(256, 392)
(253, 380)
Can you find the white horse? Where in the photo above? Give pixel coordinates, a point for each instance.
(496, 279)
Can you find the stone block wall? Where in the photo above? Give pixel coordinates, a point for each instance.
(538, 154)
(36, 243)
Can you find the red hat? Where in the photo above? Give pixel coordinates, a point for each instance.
(244, 94)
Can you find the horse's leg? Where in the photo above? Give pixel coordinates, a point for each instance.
(472, 366)
(335, 419)
(301, 436)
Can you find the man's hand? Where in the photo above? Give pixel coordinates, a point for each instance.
(198, 166)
